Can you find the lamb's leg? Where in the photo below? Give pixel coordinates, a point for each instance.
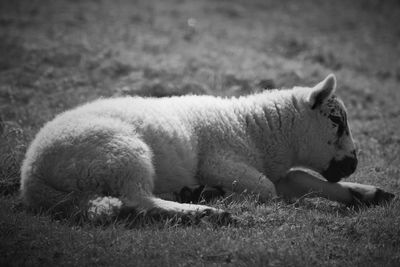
(154, 205)
(299, 183)
(237, 177)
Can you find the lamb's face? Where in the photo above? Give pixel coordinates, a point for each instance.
(335, 132)
(329, 147)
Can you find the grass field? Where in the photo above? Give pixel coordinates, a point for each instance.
(55, 55)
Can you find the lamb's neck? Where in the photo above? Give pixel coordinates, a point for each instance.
(271, 123)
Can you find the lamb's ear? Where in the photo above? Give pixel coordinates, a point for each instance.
(322, 91)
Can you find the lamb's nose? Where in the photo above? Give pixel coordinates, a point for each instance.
(350, 164)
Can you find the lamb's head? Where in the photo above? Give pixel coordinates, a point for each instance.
(327, 145)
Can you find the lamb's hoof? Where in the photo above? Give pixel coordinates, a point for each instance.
(219, 217)
(380, 197)
(227, 218)
(211, 215)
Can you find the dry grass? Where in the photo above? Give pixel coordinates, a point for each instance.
(58, 54)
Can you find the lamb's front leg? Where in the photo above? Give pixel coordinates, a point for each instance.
(238, 177)
(367, 194)
(298, 183)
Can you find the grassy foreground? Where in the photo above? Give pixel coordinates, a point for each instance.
(57, 54)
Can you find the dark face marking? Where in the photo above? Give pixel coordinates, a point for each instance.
(337, 115)
(341, 123)
(339, 169)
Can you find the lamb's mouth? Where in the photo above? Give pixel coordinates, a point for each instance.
(339, 169)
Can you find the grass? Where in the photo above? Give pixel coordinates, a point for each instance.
(58, 54)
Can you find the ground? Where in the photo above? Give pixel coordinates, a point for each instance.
(58, 54)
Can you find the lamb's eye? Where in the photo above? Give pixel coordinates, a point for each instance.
(340, 124)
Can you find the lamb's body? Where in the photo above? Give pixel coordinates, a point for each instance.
(176, 138)
(136, 149)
